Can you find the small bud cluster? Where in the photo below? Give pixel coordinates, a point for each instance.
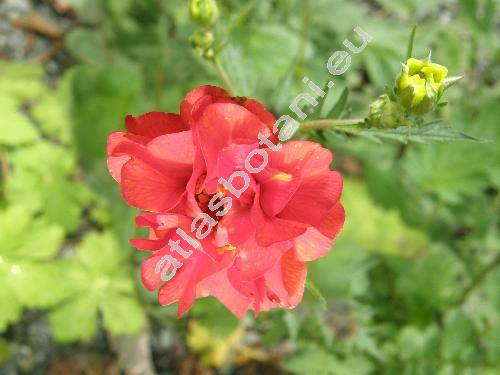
(202, 42)
(205, 13)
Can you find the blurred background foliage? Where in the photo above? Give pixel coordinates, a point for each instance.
(412, 284)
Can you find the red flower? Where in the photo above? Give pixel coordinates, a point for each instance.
(232, 215)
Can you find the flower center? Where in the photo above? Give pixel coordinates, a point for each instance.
(203, 198)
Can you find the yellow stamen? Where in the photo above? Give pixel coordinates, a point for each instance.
(223, 249)
(282, 176)
(221, 189)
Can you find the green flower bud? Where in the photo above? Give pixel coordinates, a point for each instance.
(385, 113)
(420, 85)
(202, 42)
(204, 12)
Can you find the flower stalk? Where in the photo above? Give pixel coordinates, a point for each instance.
(326, 123)
(224, 77)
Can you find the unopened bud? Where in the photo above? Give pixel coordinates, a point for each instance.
(385, 113)
(204, 12)
(202, 42)
(420, 85)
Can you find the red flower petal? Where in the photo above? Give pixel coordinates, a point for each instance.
(154, 124)
(262, 113)
(294, 277)
(334, 221)
(198, 99)
(315, 197)
(229, 123)
(219, 286)
(254, 261)
(148, 189)
(312, 245)
(116, 160)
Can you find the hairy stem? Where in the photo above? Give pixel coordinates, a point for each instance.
(326, 124)
(224, 77)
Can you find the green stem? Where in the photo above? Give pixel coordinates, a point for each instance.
(224, 77)
(326, 124)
